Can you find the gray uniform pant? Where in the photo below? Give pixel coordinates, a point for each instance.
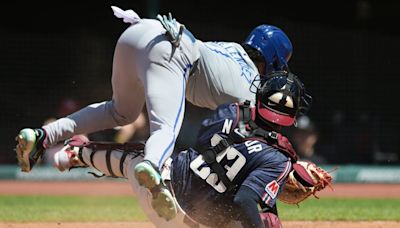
(146, 68)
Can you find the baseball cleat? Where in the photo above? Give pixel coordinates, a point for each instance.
(162, 200)
(30, 147)
(68, 156)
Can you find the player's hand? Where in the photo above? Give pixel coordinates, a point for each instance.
(174, 28)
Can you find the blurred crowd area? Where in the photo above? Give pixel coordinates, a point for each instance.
(57, 60)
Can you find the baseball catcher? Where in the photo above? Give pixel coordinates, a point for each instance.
(239, 165)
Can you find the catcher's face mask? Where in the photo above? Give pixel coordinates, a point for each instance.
(280, 97)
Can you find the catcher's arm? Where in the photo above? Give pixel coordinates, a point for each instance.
(246, 201)
(304, 180)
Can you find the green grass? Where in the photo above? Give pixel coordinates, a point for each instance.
(125, 208)
(334, 209)
(69, 209)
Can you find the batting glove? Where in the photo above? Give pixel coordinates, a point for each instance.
(174, 28)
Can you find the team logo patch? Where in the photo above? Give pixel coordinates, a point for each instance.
(272, 189)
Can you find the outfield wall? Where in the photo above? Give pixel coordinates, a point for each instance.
(12, 172)
(341, 174)
(365, 173)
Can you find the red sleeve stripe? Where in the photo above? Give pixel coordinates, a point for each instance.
(266, 197)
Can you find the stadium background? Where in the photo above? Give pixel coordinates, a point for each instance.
(346, 52)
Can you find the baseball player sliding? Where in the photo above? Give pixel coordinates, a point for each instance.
(160, 63)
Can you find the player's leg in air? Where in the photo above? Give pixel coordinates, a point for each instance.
(146, 67)
(125, 106)
(164, 69)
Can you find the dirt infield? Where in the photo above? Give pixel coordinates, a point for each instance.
(123, 188)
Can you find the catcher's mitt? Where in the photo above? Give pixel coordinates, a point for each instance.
(304, 180)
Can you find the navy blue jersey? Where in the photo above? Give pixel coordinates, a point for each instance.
(222, 122)
(251, 163)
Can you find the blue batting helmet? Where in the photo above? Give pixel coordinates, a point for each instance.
(273, 44)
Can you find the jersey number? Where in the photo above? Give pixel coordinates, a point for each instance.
(205, 172)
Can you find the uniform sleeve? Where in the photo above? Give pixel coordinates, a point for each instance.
(266, 181)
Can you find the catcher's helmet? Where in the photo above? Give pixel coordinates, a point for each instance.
(273, 44)
(281, 98)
